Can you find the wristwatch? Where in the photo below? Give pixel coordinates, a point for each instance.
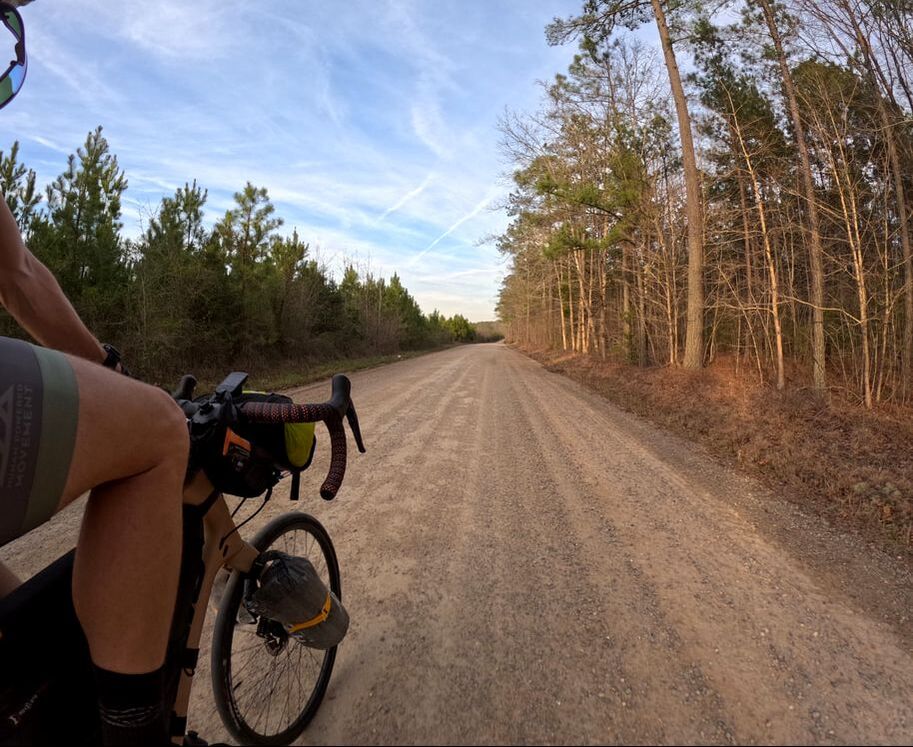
(113, 357)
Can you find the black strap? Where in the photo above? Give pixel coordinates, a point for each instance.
(189, 658)
(112, 358)
(296, 484)
(202, 509)
(178, 725)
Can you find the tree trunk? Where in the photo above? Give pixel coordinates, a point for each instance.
(641, 315)
(816, 266)
(694, 331)
(561, 308)
(570, 305)
(626, 305)
(768, 251)
(875, 74)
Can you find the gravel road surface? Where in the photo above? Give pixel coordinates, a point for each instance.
(524, 563)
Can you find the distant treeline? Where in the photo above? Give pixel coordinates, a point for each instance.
(183, 297)
(489, 331)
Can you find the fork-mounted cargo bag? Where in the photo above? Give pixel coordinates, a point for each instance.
(292, 593)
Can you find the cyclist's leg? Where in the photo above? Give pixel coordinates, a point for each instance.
(8, 581)
(68, 426)
(131, 450)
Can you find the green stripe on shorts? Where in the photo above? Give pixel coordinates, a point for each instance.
(59, 416)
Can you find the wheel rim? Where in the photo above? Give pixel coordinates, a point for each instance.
(274, 683)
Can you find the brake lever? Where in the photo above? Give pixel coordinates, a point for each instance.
(183, 395)
(185, 388)
(352, 417)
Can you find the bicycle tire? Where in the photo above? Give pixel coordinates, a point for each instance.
(225, 691)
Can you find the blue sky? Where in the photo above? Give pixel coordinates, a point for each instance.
(372, 124)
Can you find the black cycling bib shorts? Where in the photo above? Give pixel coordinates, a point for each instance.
(39, 408)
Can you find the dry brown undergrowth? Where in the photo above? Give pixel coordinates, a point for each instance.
(852, 466)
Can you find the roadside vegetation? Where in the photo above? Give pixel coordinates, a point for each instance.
(186, 298)
(750, 217)
(851, 466)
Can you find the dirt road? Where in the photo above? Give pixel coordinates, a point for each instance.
(523, 563)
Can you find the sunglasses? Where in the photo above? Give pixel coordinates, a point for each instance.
(14, 76)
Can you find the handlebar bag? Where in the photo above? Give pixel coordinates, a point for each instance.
(290, 444)
(246, 459)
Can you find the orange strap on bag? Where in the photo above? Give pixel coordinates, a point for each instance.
(316, 620)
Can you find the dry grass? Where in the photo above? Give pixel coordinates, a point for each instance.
(276, 375)
(851, 466)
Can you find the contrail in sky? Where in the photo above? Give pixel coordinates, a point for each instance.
(414, 193)
(474, 212)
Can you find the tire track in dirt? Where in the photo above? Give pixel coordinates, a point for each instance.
(763, 627)
(675, 703)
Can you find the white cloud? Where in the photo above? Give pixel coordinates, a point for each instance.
(49, 144)
(427, 123)
(180, 30)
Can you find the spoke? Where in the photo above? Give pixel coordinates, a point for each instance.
(252, 647)
(254, 684)
(257, 724)
(270, 693)
(298, 675)
(247, 663)
(276, 677)
(313, 656)
(288, 689)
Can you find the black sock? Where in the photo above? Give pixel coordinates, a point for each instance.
(131, 708)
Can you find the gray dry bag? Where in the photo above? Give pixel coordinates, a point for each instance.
(292, 593)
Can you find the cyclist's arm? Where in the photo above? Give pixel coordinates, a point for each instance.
(32, 295)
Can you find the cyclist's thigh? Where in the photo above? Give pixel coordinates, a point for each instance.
(68, 425)
(124, 428)
(38, 412)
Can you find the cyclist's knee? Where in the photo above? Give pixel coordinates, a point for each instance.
(169, 424)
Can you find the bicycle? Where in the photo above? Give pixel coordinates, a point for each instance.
(46, 686)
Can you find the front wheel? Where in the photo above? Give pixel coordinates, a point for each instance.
(268, 686)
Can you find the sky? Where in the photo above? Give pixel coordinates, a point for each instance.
(372, 123)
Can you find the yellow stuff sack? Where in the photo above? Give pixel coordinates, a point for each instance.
(299, 444)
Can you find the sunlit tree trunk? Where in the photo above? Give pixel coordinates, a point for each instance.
(694, 331)
(815, 251)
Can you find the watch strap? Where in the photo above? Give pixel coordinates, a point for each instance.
(112, 358)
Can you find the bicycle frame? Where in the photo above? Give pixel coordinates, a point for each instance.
(222, 547)
(52, 698)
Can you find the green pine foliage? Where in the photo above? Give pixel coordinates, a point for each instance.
(183, 297)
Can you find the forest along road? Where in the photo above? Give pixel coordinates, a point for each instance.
(524, 563)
